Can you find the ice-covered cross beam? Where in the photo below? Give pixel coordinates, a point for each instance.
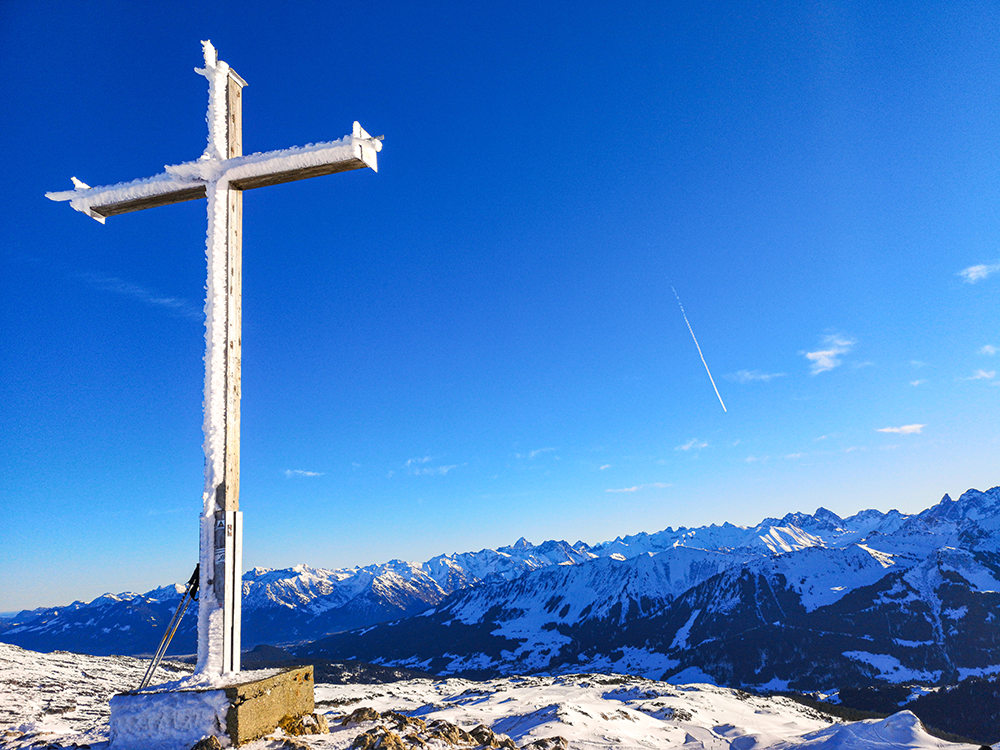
(188, 181)
(221, 175)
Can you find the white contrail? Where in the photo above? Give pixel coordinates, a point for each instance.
(699, 349)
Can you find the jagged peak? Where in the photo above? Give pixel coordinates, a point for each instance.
(828, 515)
(550, 545)
(520, 544)
(109, 597)
(991, 496)
(170, 590)
(971, 504)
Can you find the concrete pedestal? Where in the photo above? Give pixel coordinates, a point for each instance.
(245, 707)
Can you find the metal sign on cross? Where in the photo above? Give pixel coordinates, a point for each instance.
(221, 175)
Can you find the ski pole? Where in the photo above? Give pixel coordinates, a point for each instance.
(189, 595)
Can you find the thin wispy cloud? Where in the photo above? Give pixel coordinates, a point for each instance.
(826, 359)
(418, 467)
(289, 473)
(972, 274)
(989, 349)
(693, 443)
(750, 376)
(181, 308)
(534, 454)
(433, 471)
(794, 456)
(906, 429)
(917, 382)
(756, 459)
(982, 375)
(605, 466)
(638, 487)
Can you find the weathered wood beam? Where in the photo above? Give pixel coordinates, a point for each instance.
(303, 173)
(228, 583)
(152, 201)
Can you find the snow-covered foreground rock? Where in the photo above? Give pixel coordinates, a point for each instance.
(60, 700)
(599, 711)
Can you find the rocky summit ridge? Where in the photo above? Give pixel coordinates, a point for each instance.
(804, 602)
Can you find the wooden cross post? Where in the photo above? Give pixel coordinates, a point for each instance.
(221, 175)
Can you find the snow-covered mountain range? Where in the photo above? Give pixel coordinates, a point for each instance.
(808, 601)
(282, 606)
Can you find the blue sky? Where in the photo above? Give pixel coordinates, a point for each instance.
(480, 341)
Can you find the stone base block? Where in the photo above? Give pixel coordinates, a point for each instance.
(241, 708)
(257, 707)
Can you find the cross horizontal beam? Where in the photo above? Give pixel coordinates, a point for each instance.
(151, 201)
(301, 173)
(188, 181)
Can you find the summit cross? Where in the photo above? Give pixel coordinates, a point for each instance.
(221, 175)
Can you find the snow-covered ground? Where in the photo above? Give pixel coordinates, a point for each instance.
(61, 700)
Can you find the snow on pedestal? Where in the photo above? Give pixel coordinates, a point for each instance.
(237, 708)
(167, 721)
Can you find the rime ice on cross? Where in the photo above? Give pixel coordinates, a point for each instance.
(221, 175)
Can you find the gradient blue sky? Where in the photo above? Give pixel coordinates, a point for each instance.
(480, 342)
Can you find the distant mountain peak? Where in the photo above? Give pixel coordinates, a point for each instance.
(828, 516)
(972, 505)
